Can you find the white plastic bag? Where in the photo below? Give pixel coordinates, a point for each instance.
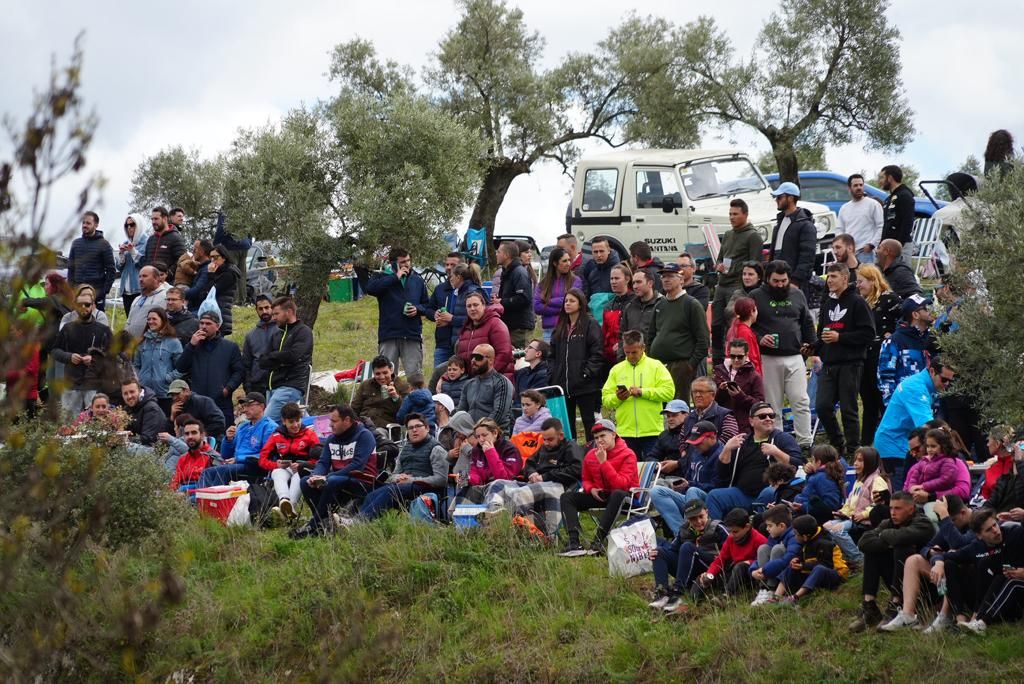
(209, 304)
(629, 548)
(239, 515)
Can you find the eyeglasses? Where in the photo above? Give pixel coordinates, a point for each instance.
(130, 224)
(478, 357)
(945, 380)
(765, 416)
(416, 426)
(737, 357)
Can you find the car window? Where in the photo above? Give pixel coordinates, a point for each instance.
(654, 185)
(823, 190)
(599, 189)
(720, 177)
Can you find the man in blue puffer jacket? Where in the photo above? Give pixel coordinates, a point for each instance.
(401, 301)
(907, 351)
(91, 259)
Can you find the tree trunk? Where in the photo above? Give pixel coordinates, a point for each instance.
(785, 159)
(497, 180)
(308, 297)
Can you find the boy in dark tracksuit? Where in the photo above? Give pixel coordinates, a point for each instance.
(692, 551)
(820, 563)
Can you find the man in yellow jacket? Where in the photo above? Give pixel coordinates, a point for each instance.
(637, 388)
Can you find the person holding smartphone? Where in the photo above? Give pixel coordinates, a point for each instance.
(291, 451)
(740, 386)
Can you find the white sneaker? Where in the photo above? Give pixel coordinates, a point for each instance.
(899, 622)
(287, 509)
(660, 599)
(940, 624)
(763, 597)
(973, 626)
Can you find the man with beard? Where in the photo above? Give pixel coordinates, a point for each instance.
(908, 350)
(899, 208)
(843, 251)
(183, 400)
(184, 321)
(638, 313)
(257, 343)
(165, 245)
(786, 332)
(192, 463)
(795, 238)
(148, 420)
(213, 363)
(488, 394)
(289, 358)
(91, 259)
(861, 218)
(889, 259)
(79, 346)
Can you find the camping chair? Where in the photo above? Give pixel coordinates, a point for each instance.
(640, 501)
(555, 399)
(924, 235)
(309, 383)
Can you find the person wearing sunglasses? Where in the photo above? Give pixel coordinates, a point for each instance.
(744, 460)
(129, 257)
(739, 384)
(911, 406)
(78, 345)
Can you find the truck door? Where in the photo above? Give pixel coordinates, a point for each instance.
(664, 231)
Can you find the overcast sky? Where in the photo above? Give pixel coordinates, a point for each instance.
(191, 73)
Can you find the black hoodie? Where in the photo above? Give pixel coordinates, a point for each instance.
(148, 420)
(563, 465)
(851, 317)
(80, 337)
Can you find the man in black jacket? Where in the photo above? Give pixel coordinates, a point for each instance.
(889, 259)
(79, 346)
(148, 420)
(536, 373)
(554, 468)
(184, 321)
(515, 295)
(846, 327)
(165, 245)
(289, 358)
(91, 259)
(886, 549)
(213, 364)
(184, 400)
(899, 207)
(256, 344)
(795, 238)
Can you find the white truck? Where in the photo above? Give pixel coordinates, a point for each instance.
(666, 197)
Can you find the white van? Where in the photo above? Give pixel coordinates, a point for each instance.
(665, 197)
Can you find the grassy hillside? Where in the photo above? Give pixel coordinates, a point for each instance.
(398, 601)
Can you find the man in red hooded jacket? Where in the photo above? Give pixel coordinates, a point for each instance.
(609, 472)
(197, 459)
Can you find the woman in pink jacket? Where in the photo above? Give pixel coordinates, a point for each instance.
(484, 326)
(493, 458)
(940, 473)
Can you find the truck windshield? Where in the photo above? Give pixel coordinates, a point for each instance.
(720, 177)
(599, 187)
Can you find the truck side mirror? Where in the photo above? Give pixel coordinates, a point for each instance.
(668, 204)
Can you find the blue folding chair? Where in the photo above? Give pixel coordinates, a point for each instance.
(555, 401)
(475, 246)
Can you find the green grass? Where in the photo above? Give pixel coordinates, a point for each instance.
(394, 600)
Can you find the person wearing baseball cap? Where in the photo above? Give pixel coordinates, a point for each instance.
(686, 556)
(694, 472)
(609, 472)
(242, 444)
(184, 400)
(795, 237)
(670, 445)
(213, 364)
(444, 407)
(679, 331)
(910, 346)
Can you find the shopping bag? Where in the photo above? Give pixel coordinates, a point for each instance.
(209, 304)
(239, 515)
(629, 547)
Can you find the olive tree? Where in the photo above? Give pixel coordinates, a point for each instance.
(822, 72)
(176, 177)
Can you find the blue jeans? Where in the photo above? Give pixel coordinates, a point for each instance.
(721, 501)
(670, 504)
(546, 334)
(441, 356)
(387, 497)
(840, 531)
(278, 398)
(222, 474)
(820, 576)
(641, 445)
(684, 564)
(334, 489)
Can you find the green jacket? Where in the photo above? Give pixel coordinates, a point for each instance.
(679, 331)
(741, 246)
(639, 416)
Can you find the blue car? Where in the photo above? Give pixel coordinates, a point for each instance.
(830, 189)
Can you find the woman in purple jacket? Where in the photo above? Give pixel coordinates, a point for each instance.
(550, 294)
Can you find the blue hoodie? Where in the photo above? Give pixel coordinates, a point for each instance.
(774, 568)
(699, 469)
(248, 441)
(820, 485)
(902, 355)
(418, 401)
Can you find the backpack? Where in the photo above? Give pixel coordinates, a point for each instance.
(262, 497)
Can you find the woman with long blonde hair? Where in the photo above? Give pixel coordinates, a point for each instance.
(885, 305)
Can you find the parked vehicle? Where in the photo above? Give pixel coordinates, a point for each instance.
(830, 189)
(667, 197)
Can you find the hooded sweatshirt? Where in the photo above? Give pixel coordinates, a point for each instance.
(502, 462)
(904, 353)
(788, 317)
(148, 419)
(740, 245)
(130, 261)
(352, 453)
(850, 316)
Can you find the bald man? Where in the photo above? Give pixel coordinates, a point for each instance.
(889, 258)
(153, 294)
(488, 394)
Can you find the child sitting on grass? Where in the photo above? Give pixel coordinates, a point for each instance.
(692, 550)
(775, 555)
(823, 492)
(738, 552)
(420, 400)
(820, 563)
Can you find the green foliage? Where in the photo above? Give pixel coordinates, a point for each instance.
(808, 159)
(821, 72)
(988, 350)
(176, 177)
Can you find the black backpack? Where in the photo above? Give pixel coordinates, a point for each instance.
(262, 497)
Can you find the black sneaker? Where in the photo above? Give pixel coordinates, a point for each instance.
(893, 609)
(661, 597)
(869, 616)
(596, 548)
(302, 531)
(573, 550)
